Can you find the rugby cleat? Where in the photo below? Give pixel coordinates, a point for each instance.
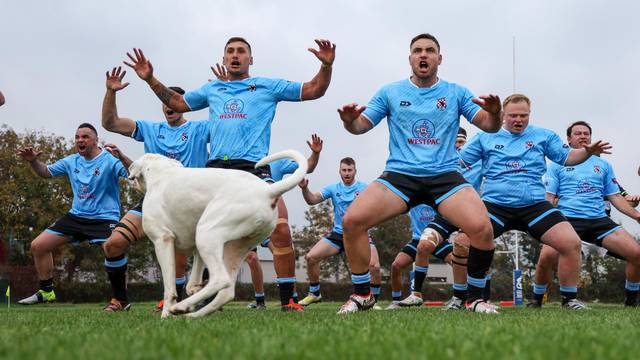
(454, 303)
(292, 306)
(574, 304)
(394, 305)
(411, 300)
(310, 299)
(357, 303)
(116, 305)
(39, 297)
(481, 306)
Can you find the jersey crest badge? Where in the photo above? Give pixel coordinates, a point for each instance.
(441, 103)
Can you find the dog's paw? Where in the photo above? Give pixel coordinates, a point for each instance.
(165, 314)
(179, 309)
(193, 289)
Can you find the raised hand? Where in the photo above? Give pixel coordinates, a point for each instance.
(304, 183)
(114, 150)
(350, 112)
(29, 154)
(326, 52)
(315, 144)
(141, 65)
(598, 148)
(114, 80)
(220, 71)
(489, 103)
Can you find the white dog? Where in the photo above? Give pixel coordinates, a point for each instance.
(219, 213)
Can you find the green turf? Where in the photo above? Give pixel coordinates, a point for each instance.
(84, 332)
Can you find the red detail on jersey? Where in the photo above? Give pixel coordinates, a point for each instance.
(441, 103)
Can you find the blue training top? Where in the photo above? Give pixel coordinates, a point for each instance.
(421, 216)
(513, 164)
(186, 143)
(96, 191)
(580, 188)
(241, 113)
(341, 197)
(423, 125)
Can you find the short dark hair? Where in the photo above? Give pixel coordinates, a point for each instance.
(462, 131)
(89, 126)
(583, 123)
(348, 161)
(177, 89)
(425, 36)
(237, 38)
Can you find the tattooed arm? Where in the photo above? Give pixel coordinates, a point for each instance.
(144, 70)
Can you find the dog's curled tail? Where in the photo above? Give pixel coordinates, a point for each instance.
(282, 186)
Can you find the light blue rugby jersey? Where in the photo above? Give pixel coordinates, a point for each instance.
(186, 143)
(423, 125)
(513, 164)
(96, 192)
(241, 113)
(580, 188)
(282, 167)
(341, 196)
(421, 216)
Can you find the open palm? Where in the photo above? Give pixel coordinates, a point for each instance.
(140, 64)
(114, 79)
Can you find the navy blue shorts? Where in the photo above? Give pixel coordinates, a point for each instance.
(442, 250)
(81, 229)
(429, 190)
(535, 219)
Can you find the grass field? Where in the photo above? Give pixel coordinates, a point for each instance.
(63, 331)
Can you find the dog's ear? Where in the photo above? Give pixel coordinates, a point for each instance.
(136, 175)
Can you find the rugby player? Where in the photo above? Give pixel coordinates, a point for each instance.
(513, 164)
(423, 114)
(241, 111)
(93, 173)
(580, 192)
(175, 138)
(342, 194)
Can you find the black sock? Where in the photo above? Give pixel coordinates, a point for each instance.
(314, 288)
(361, 283)
(631, 297)
(486, 293)
(538, 298)
(375, 289)
(116, 268)
(295, 296)
(286, 292)
(568, 293)
(418, 281)
(478, 265)
(46, 285)
(180, 292)
(460, 291)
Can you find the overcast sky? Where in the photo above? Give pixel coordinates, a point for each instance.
(576, 60)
